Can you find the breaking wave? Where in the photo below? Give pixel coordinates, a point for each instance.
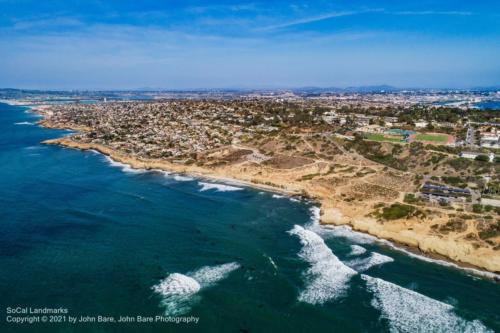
(409, 311)
(336, 231)
(208, 275)
(179, 291)
(280, 196)
(315, 215)
(442, 262)
(345, 231)
(357, 250)
(327, 277)
(24, 123)
(181, 178)
(218, 187)
(124, 167)
(363, 264)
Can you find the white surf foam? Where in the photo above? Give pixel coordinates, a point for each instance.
(357, 250)
(125, 167)
(218, 187)
(315, 215)
(409, 311)
(179, 291)
(181, 178)
(280, 196)
(327, 277)
(208, 275)
(347, 232)
(24, 123)
(363, 264)
(442, 262)
(328, 231)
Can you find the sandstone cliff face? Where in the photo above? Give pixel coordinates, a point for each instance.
(398, 231)
(333, 212)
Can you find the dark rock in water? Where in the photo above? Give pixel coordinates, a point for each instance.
(244, 330)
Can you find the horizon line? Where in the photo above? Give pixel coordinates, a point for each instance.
(312, 87)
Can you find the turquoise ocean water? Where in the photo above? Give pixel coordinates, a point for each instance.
(94, 237)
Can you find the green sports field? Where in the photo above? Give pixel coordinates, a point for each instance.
(440, 138)
(382, 137)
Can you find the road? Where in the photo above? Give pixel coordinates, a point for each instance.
(470, 139)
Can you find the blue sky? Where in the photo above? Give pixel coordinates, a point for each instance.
(234, 44)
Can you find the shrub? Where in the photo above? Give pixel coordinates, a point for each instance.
(397, 211)
(410, 198)
(492, 231)
(482, 158)
(477, 208)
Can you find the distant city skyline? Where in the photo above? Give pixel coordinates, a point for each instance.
(234, 44)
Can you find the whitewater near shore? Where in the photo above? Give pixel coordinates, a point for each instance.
(412, 233)
(322, 275)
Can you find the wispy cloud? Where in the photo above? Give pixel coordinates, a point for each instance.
(432, 12)
(220, 8)
(57, 22)
(313, 19)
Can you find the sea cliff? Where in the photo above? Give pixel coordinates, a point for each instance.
(409, 232)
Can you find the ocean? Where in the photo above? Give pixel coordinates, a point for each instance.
(81, 233)
(492, 105)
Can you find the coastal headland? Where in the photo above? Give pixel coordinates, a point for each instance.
(350, 189)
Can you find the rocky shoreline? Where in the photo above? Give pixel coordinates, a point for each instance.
(462, 255)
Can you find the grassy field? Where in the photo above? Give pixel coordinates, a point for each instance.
(382, 137)
(440, 138)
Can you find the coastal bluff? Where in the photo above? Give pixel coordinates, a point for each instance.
(413, 233)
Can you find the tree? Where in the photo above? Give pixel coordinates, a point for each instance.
(482, 158)
(477, 208)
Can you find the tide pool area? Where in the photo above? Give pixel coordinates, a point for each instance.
(113, 249)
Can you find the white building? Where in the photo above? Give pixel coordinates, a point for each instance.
(490, 140)
(468, 154)
(421, 123)
(472, 155)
